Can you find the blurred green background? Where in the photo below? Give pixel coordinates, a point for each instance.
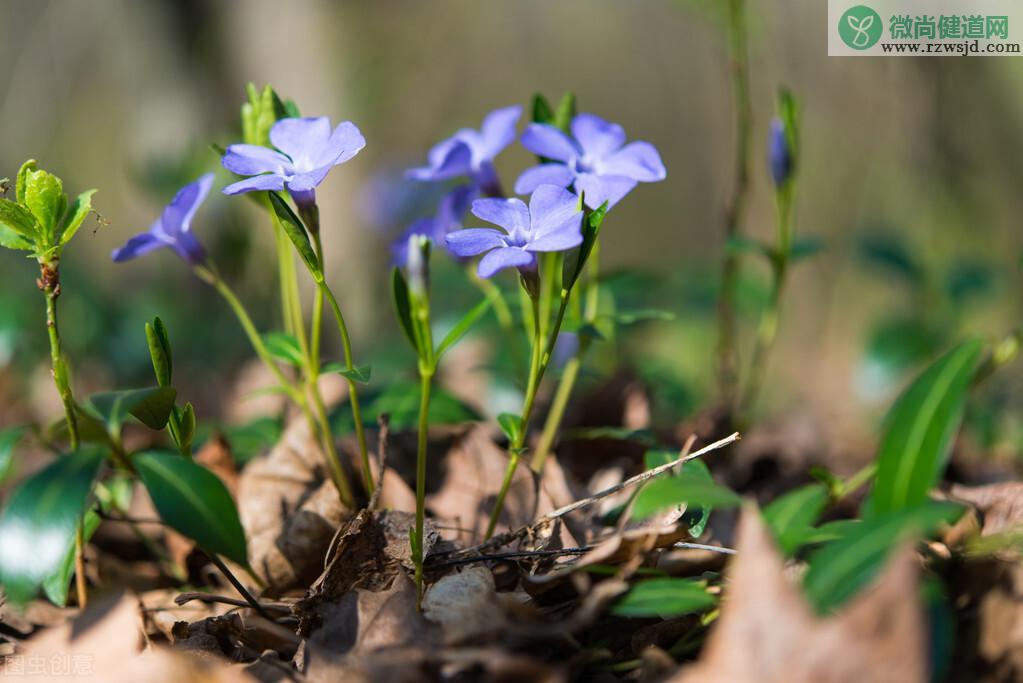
(910, 176)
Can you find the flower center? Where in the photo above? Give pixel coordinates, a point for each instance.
(584, 164)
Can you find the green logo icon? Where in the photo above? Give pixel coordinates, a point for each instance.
(860, 27)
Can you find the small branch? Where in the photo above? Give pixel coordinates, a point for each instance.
(700, 546)
(185, 598)
(518, 555)
(242, 590)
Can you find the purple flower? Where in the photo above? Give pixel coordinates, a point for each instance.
(552, 222)
(472, 152)
(593, 160)
(173, 227)
(449, 216)
(306, 151)
(779, 153)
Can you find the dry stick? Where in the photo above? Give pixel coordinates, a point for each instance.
(185, 598)
(685, 545)
(503, 539)
(238, 586)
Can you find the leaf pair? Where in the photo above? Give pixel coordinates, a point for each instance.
(40, 220)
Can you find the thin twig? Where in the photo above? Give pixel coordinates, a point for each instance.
(517, 555)
(185, 598)
(700, 546)
(242, 590)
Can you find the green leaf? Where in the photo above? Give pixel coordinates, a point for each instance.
(695, 516)
(463, 326)
(403, 306)
(565, 112)
(639, 315)
(250, 439)
(193, 502)
(38, 524)
(840, 569)
(284, 347)
(186, 419)
(791, 517)
(151, 406)
(592, 220)
(688, 488)
(160, 351)
(920, 428)
(510, 423)
(19, 229)
(542, 111)
(9, 438)
(360, 374)
(22, 181)
(296, 232)
(75, 216)
(44, 197)
(887, 252)
(665, 598)
(56, 586)
(805, 248)
(748, 245)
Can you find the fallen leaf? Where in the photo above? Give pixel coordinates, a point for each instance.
(465, 605)
(1000, 504)
(767, 632)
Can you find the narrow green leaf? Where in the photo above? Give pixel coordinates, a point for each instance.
(22, 181)
(665, 598)
(151, 406)
(38, 524)
(75, 216)
(9, 438)
(56, 586)
(194, 502)
(510, 423)
(160, 351)
(791, 517)
(403, 306)
(44, 197)
(573, 268)
(640, 315)
(360, 374)
(284, 347)
(920, 428)
(463, 326)
(840, 569)
(542, 111)
(187, 420)
(296, 232)
(688, 488)
(805, 248)
(565, 112)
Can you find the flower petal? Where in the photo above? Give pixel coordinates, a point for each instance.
(302, 139)
(596, 189)
(303, 182)
(345, 142)
(597, 137)
(448, 159)
(268, 181)
(548, 141)
(498, 130)
(566, 236)
(399, 248)
(139, 245)
(637, 160)
(453, 206)
(554, 174)
(550, 208)
(473, 241)
(189, 248)
(254, 159)
(504, 257)
(510, 214)
(177, 217)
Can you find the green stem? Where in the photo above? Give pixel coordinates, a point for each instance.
(425, 378)
(727, 345)
(317, 424)
(491, 291)
(58, 364)
(353, 390)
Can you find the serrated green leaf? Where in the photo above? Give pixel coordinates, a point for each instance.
(284, 347)
(57, 585)
(791, 517)
(75, 216)
(687, 488)
(462, 327)
(19, 229)
(44, 197)
(840, 569)
(665, 598)
(38, 524)
(403, 306)
(510, 423)
(193, 502)
(160, 351)
(360, 374)
(296, 232)
(919, 430)
(151, 406)
(9, 438)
